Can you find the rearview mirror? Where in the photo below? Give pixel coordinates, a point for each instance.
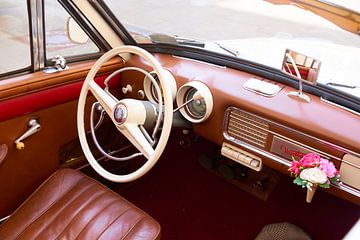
(307, 68)
(75, 33)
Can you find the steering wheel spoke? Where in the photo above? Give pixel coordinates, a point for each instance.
(128, 115)
(105, 100)
(133, 133)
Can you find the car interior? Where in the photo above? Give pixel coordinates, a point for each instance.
(108, 134)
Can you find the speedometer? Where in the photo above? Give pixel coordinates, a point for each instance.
(195, 108)
(194, 101)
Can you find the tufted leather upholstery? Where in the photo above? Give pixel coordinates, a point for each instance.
(70, 205)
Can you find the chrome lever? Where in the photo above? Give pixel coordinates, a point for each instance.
(297, 94)
(59, 65)
(34, 127)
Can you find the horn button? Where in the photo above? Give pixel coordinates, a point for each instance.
(120, 113)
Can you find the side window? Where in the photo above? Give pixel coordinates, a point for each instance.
(56, 38)
(14, 37)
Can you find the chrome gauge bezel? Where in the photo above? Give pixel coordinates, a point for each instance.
(206, 96)
(149, 88)
(187, 106)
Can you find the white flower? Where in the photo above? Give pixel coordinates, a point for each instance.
(313, 175)
(309, 185)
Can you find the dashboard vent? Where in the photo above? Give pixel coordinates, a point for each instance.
(247, 127)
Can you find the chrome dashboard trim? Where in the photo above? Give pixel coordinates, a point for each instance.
(257, 150)
(351, 164)
(4, 219)
(348, 189)
(306, 146)
(287, 149)
(339, 106)
(323, 142)
(285, 162)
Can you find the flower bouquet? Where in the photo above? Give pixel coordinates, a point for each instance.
(312, 171)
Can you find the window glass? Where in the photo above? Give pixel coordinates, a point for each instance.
(57, 41)
(255, 30)
(14, 36)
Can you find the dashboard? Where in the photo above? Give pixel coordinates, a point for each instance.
(256, 130)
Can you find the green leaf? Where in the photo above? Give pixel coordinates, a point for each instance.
(334, 179)
(325, 185)
(299, 181)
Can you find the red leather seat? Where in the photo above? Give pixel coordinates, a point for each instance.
(70, 205)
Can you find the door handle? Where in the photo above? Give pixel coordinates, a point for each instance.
(34, 127)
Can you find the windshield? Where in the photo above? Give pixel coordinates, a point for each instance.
(350, 4)
(255, 30)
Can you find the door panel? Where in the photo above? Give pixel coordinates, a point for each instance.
(23, 170)
(52, 100)
(24, 84)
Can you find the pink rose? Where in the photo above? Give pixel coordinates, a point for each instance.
(310, 160)
(295, 167)
(328, 168)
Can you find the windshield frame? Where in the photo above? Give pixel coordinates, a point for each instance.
(321, 90)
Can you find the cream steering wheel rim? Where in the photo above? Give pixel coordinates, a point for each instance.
(130, 128)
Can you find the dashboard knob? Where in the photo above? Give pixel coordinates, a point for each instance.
(127, 89)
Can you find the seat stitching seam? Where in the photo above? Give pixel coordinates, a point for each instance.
(116, 195)
(102, 209)
(128, 232)
(112, 222)
(44, 211)
(82, 207)
(123, 199)
(63, 207)
(24, 203)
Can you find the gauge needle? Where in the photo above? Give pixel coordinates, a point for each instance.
(197, 96)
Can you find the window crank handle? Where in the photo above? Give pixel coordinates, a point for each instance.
(34, 127)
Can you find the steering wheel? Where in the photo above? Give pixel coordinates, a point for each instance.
(128, 115)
